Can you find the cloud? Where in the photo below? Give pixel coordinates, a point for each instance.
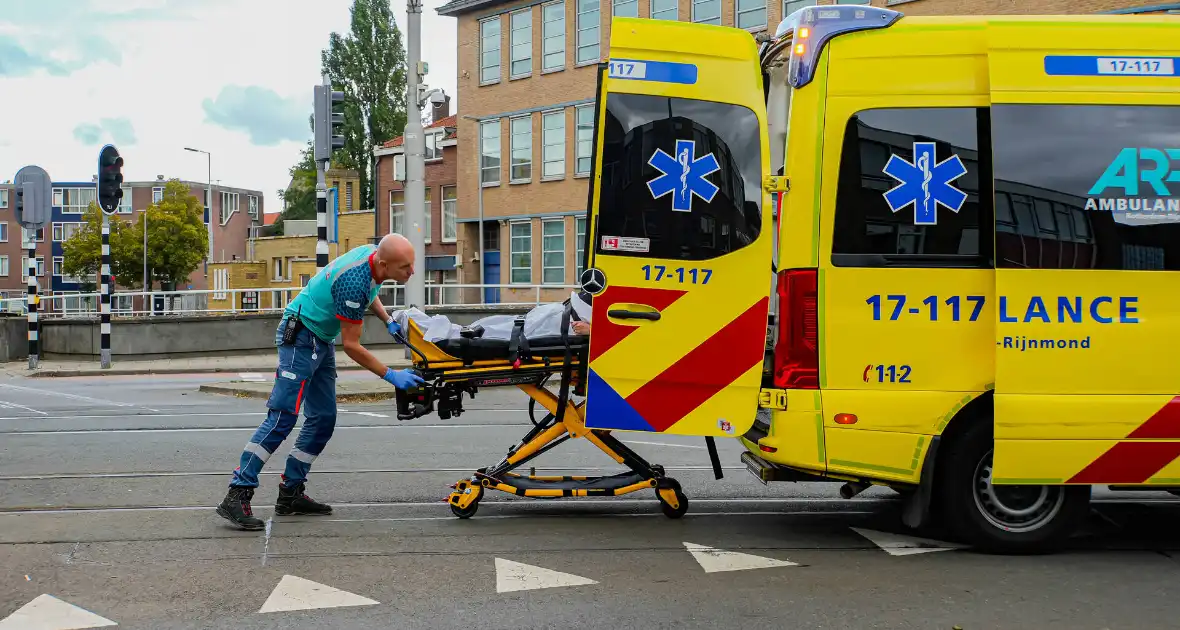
(264, 115)
(79, 52)
(118, 130)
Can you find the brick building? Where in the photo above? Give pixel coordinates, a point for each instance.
(439, 177)
(235, 209)
(526, 77)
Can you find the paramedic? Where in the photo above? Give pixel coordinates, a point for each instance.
(332, 303)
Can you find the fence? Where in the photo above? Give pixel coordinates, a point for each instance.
(196, 302)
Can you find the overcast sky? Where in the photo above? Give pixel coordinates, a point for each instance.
(232, 77)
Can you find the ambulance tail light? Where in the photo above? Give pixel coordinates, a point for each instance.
(796, 352)
(814, 27)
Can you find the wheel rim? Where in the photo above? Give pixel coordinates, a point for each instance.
(1014, 508)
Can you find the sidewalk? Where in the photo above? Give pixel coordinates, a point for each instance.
(346, 391)
(262, 363)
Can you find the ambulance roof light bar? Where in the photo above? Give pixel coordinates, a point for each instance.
(813, 27)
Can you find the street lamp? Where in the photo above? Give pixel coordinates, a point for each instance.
(479, 185)
(209, 199)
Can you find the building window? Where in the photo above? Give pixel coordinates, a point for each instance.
(229, 205)
(553, 145)
(626, 8)
(522, 44)
(868, 232)
(3, 197)
(397, 212)
(589, 25)
(37, 237)
(157, 195)
(489, 140)
(581, 243)
(489, 57)
(253, 205)
(4, 265)
(791, 6)
(24, 267)
(521, 250)
(750, 14)
(426, 218)
(125, 201)
(553, 251)
(522, 149)
(347, 195)
(74, 200)
(3, 231)
(433, 151)
(665, 9)
(584, 138)
(553, 35)
(450, 229)
(706, 11)
(62, 232)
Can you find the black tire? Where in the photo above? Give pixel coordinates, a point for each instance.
(990, 518)
(465, 513)
(681, 500)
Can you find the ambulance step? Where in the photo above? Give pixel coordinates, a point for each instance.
(766, 472)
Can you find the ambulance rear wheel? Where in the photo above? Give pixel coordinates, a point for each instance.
(1004, 518)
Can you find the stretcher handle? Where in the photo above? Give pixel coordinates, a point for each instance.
(623, 314)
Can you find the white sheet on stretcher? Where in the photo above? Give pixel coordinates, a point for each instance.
(542, 321)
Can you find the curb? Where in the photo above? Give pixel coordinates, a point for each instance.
(167, 370)
(346, 397)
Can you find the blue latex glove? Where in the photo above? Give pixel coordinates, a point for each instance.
(393, 327)
(402, 379)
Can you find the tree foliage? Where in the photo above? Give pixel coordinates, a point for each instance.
(176, 234)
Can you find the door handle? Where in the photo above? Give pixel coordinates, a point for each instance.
(625, 314)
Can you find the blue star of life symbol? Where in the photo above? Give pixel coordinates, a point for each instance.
(925, 186)
(683, 175)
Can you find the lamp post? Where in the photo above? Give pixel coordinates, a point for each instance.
(479, 186)
(209, 198)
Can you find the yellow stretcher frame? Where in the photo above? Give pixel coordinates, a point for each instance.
(454, 376)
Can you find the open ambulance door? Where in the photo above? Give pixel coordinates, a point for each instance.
(1087, 178)
(680, 231)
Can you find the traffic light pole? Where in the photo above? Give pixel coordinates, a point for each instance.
(34, 359)
(105, 297)
(34, 191)
(326, 121)
(415, 187)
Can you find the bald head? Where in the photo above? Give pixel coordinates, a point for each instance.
(394, 259)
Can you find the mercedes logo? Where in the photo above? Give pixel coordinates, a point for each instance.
(593, 281)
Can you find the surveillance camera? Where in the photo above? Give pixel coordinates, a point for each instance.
(438, 96)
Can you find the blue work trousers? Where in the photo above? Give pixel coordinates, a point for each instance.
(306, 377)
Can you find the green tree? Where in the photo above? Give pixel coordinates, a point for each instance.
(368, 64)
(82, 252)
(177, 239)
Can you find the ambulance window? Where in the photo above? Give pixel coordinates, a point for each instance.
(873, 229)
(1106, 177)
(644, 137)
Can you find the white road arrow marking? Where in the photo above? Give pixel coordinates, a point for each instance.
(714, 560)
(50, 613)
(901, 545)
(515, 576)
(253, 377)
(370, 414)
(296, 593)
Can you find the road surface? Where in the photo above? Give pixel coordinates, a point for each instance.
(107, 489)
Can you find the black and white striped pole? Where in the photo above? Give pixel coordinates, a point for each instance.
(34, 196)
(327, 122)
(110, 192)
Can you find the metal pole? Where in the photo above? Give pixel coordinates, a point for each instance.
(146, 288)
(321, 203)
(209, 194)
(479, 184)
(415, 187)
(32, 301)
(105, 297)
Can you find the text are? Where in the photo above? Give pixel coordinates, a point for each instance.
(679, 275)
(956, 307)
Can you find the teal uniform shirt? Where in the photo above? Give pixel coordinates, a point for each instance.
(342, 291)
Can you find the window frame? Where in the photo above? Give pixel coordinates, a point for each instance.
(559, 221)
(527, 252)
(558, 36)
(580, 243)
(400, 212)
(579, 127)
(675, 10)
(3, 198)
(452, 217)
(427, 219)
(527, 45)
(483, 154)
(513, 135)
(763, 7)
(614, 7)
(484, 39)
(579, 29)
(713, 20)
(4, 266)
(558, 114)
(801, 4)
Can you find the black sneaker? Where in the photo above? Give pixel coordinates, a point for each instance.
(294, 501)
(235, 508)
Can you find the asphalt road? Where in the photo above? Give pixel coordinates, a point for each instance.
(107, 488)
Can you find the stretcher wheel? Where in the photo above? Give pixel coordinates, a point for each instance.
(467, 512)
(681, 500)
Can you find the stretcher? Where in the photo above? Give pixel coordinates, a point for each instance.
(453, 367)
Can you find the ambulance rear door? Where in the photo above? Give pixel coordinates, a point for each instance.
(680, 236)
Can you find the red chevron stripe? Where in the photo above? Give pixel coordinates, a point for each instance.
(1136, 462)
(607, 333)
(706, 370)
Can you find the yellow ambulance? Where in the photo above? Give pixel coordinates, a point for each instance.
(972, 231)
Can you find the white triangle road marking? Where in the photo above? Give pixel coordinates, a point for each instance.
(296, 593)
(516, 576)
(47, 612)
(714, 560)
(902, 545)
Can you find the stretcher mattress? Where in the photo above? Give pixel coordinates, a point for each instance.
(479, 349)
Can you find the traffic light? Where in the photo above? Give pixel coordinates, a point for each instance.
(329, 122)
(110, 179)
